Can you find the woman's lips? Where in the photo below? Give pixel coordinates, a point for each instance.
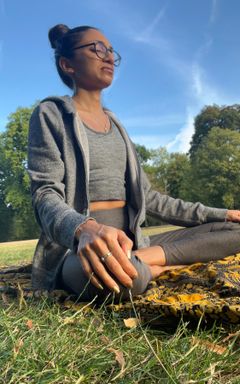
(108, 70)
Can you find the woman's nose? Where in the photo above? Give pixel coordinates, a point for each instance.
(110, 57)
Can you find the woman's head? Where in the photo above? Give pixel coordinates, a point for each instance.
(84, 57)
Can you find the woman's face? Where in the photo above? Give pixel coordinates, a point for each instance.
(88, 71)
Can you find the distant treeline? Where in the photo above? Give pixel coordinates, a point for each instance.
(209, 173)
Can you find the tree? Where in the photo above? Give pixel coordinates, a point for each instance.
(14, 180)
(215, 169)
(167, 171)
(214, 116)
(158, 168)
(177, 173)
(144, 154)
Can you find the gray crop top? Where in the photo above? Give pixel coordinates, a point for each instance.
(108, 160)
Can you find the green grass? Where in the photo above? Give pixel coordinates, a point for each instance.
(42, 342)
(17, 252)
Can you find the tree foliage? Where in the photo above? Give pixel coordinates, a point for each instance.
(227, 117)
(144, 154)
(167, 171)
(14, 180)
(215, 170)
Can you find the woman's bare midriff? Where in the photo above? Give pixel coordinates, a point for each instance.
(108, 204)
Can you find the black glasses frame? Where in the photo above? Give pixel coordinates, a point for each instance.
(117, 58)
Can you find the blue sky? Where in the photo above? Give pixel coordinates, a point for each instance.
(177, 56)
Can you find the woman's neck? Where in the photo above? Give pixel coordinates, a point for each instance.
(89, 101)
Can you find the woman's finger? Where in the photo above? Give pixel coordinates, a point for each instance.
(125, 243)
(233, 215)
(123, 269)
(99, 268)
(89, 272)
(116, 269)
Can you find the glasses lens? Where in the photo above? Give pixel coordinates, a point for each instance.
(101, 50)
(117, 59)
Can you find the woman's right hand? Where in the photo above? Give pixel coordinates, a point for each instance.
(101, 249)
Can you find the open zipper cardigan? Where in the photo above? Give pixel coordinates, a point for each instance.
(58, 165)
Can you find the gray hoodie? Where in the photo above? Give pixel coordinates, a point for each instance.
(58, 164)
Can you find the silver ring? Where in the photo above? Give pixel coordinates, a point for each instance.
(104, 257)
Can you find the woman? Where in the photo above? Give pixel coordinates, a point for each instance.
(90, 195)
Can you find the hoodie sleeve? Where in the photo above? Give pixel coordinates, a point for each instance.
(47, 171)
(177, 211)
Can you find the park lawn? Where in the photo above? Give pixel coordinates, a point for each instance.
(17, 252)
(42, 342)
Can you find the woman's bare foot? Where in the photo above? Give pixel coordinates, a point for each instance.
(151, 255)
(156, 270)
(155, 258)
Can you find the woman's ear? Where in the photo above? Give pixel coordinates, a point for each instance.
(66, 65)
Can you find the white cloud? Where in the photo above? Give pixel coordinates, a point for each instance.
(182, 140)
(147, 35)
(213, 14)
(197, 85)
(203, 91)
(164, 49)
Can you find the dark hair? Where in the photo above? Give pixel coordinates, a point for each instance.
(63, 40)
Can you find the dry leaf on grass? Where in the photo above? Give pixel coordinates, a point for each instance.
(230, 336)
(29, 324)
(17, 347)
(21, 301)
(118, 357)
(69, 320)
(118, 354)
(98, 324)
(5, 298)
(213, 347)
(105, 340)
(77, 307)
(131, 322)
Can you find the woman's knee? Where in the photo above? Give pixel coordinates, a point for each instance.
(226, 226)
(141, 283)
(75, 280)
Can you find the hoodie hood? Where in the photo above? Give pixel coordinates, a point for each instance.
(65, 103)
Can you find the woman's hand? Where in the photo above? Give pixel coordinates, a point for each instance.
(102, 246)
(233, 215)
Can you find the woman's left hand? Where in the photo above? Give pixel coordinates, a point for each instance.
(233, 215)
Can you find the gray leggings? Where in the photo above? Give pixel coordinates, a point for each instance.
(211, 241)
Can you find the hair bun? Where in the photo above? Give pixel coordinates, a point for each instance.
(56, 33)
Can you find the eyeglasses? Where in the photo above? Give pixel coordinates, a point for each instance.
(102, 51)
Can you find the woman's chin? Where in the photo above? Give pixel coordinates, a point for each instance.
(106, 82)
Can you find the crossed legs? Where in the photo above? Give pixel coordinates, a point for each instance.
(172, 249)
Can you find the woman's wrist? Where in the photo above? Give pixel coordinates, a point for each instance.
(90, 223)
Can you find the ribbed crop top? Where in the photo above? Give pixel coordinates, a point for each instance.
(108, 160)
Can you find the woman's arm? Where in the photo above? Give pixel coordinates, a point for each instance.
(47, 171)
(177, 211)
